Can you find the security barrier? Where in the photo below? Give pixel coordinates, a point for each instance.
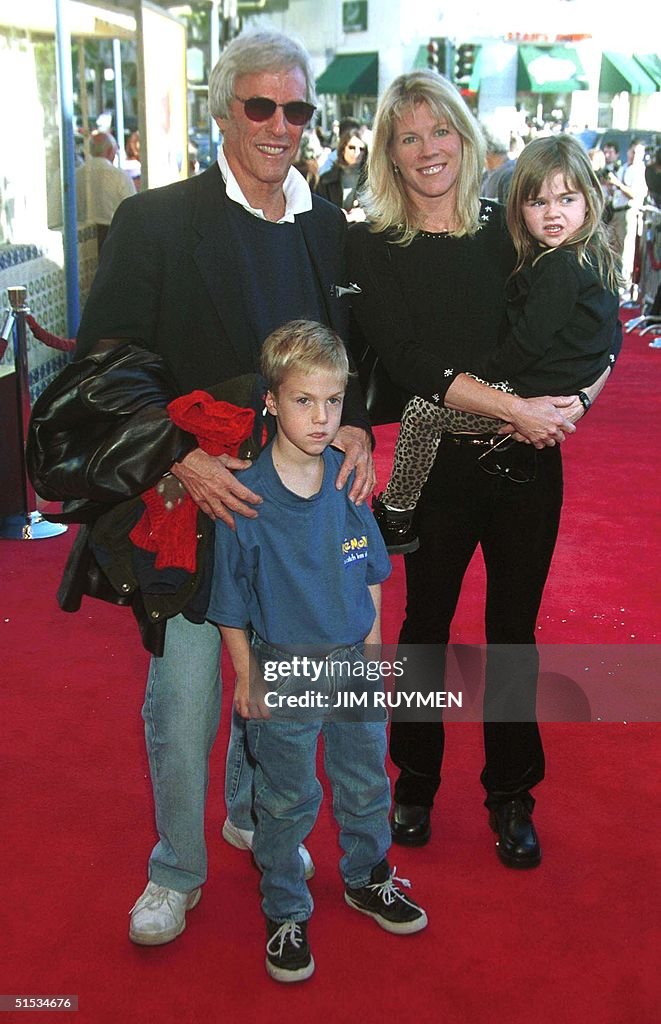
(17, 496)
(649, 276)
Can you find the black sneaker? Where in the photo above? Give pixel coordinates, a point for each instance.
(288, 956)
(387, 904)
(395, 527)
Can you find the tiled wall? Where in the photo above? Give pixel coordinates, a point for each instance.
(40, 270)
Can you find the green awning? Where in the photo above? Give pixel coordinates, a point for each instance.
(620, 73)
(548, 69)
(351, 74)
(420, 62)
(651, 63)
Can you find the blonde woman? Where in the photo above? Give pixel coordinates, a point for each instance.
(561, 318)
(432, 265)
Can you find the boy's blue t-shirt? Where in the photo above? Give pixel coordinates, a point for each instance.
(299, 573)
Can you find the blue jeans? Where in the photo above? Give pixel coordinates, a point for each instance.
(288, 793)
(181, 714)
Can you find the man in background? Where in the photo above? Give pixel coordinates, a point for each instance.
(628, 188)
(611, 152)
(100, 185)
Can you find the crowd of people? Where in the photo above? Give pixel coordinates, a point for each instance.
(499, 322)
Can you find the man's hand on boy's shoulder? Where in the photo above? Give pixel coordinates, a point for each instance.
(211, 483)
(356, 444)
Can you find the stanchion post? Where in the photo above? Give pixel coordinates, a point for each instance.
(26, 524)
(18, 301)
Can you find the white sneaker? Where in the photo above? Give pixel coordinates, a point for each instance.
(159, 915)
(242, 838)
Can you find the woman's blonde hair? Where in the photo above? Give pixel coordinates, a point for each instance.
(540, 159)
(386, 202)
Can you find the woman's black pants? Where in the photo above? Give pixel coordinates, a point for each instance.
(515, 525)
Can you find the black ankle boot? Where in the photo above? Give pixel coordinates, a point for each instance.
(396, 528)
(517, 845)
(410, 825)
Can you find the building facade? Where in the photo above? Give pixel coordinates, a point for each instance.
(564, 61)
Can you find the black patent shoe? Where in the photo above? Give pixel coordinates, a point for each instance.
(517, 845)
(410, 825)
(396, 528)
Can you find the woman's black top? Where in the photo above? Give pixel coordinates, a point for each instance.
(435, 308)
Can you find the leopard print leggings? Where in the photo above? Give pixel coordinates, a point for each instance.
(419, 437)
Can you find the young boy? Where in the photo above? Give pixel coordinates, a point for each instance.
(296, 592)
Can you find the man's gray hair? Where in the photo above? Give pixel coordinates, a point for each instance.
(496, 141)
(251, 53)
(102, 143)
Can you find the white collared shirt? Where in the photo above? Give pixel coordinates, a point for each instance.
(298, 197)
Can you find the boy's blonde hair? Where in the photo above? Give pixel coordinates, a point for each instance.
(302, 346)
(540, 159)
(385, 198)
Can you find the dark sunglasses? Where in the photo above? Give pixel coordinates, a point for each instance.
(510, 459)
(260, 108)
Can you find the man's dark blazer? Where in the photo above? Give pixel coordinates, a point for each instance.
(167, 280)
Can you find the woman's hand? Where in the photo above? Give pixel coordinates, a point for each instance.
(575, 411)
(542, 422)
(538, 421)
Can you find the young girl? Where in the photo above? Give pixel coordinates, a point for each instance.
(561, 332)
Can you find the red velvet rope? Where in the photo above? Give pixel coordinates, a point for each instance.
(655, 264)
(62, 344)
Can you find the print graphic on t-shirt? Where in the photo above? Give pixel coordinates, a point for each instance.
(354, 549)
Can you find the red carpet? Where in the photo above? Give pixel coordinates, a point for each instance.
(573, 941)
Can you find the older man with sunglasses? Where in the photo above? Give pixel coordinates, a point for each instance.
(201, 272)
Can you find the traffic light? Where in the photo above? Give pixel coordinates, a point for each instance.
(464, 64)
(439, 55)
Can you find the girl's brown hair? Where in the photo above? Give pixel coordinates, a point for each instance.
(545, 157)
